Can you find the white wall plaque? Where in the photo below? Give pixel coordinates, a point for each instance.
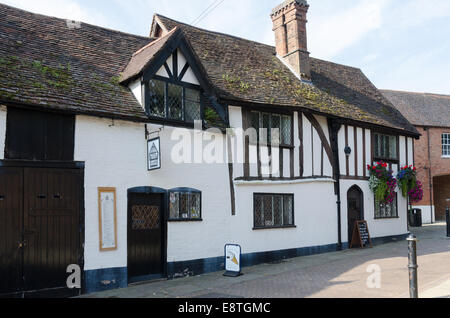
(107, 218)
(154, 154)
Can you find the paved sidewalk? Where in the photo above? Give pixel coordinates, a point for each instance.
(333, 275)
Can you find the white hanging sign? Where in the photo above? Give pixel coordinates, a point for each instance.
(154, 154)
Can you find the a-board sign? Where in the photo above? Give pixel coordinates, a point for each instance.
(361, 235)
(233, 260)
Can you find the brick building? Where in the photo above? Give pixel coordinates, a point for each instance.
(430, 113)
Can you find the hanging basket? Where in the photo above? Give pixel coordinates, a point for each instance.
(382, 182)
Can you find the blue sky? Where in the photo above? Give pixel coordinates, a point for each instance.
(399, 44)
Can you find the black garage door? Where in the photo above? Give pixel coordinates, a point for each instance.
(39, 230)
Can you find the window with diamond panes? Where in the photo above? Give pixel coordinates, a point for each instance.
(273, 210)
(174, 102)
(446, 145)
(272, 128)
(386, 210)
(385, 147)
(192, 105)
(145, 217)
(184, 206)
(286, 130)
(157, 91)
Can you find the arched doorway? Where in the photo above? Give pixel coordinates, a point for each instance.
(355, 208)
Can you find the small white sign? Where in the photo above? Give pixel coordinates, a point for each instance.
(154, 154)
(233, 260)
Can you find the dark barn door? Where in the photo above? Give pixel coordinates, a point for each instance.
(355, 206)
(145, 236)
(11, 198)
(42, 229)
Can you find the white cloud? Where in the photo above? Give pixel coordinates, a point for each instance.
(416, 12)
(65, 9)
(331, 34)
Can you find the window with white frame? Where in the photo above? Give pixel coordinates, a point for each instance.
(446, 145)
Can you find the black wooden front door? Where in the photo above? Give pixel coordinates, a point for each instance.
(40, 237)
(355, 206)
(145, 237)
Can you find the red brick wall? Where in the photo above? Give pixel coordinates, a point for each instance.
(441, 195)
(439, 166)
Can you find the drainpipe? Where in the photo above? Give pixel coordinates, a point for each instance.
(334, 128)
(429, 173)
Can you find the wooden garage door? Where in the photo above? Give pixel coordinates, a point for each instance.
(43, 219)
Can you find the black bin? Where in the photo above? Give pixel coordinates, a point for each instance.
(415, 217)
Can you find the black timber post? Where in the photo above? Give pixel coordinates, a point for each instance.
(334, 127)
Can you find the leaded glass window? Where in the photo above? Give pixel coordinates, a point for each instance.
(273, 210)
(385, 147)
(286, 130)
(386, 210)
(272, 128)
(157, 91)
(192, 105)
(184, 205)
(174, 102)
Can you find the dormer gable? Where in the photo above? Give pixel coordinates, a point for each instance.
(169, 81)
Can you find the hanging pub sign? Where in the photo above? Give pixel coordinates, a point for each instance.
(361, 236)
(233, 260)
(154, 154)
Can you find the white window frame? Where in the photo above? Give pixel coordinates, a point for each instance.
(445, 153)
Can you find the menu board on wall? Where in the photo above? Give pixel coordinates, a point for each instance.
(107, 218)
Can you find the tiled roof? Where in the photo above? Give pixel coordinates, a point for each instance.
(247, 71)
(143, 57)
(422, 109)
(47, 62)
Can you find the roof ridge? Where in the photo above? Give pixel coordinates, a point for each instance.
(415, 93)
(214, 32)
(67, 19)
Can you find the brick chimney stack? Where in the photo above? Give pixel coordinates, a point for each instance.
(289, 25)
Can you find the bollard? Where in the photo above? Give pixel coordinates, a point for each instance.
(412, 256)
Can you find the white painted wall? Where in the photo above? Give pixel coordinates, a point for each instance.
(2, 131)
(402, 147)
(189, 76)
(377, 228)
(315, 208)
(114, 153)
(136, 89)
